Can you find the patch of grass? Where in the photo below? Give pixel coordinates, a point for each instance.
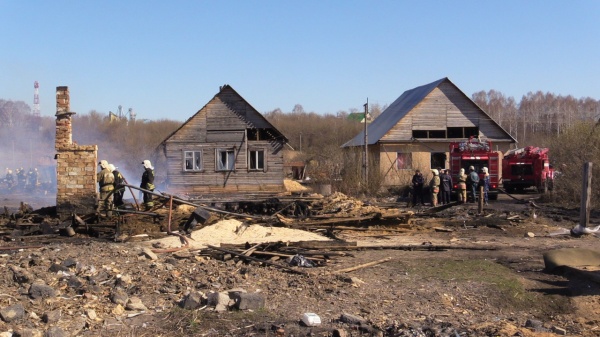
(504, 284)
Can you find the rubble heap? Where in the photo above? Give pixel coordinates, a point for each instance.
(344, 206)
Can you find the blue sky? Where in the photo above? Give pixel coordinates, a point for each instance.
(167, 59)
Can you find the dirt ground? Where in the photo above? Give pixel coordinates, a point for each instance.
(488, 280)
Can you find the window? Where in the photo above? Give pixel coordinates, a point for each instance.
(462, 132)
(419, 134)
(404, 161)
(256, 160)
(429, 133)
(438, 159)
(192, 161)
(225, 160)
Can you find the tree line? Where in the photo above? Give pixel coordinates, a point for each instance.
(537, 113)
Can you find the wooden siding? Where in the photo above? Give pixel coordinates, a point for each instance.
(446, 106)
(182, 180)
(421, 159)
(402, 131)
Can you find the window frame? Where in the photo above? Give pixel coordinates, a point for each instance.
(227, 166)
(407, 160)
(440, 158)
(264, 160)
(197, 157)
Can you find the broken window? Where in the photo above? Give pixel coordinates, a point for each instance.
(420, 134)
(256, 159)
(429, 133)
(192, 161)
(462, 132)
(404, 161)
(225, 159)
(438, 159)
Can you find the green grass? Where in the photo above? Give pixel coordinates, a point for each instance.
(504, 284)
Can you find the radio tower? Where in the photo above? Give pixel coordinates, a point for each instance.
(36, 99)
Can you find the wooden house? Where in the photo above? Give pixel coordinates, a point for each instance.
(226, 147)
(416, 130)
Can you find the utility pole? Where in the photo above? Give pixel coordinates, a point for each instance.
(366, 154)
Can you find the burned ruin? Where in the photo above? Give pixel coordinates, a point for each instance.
(75, 164)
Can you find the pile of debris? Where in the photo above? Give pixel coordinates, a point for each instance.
(294, 186)
(344, 206)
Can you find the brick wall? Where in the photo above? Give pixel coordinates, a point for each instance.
(75, 164)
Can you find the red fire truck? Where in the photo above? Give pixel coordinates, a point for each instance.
(479, 154)
(527, 167)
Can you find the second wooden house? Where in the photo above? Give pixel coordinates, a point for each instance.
(226, 147)
(416, 130)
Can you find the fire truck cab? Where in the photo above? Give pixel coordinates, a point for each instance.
(527, 167)
(479, 154)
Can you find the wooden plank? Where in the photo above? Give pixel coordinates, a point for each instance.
(346, 270)
(321, 244)
(258, 260)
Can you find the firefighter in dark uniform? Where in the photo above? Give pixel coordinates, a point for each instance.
(32, 178)
(118, 186)
(148, 184)
(10, 179)
(21, 178)
(417, 183)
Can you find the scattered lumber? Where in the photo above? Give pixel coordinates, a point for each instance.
(362, 266)
(441, 207)
(242, 256)
(342, 246)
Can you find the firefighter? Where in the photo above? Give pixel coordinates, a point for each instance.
(473, 182)
(417, 183)
(32, 179)
(462, 186)
(148, 183)
(434, 187)
(118, 186)
(485, 182)
(105, 181)
(21, 178)
(10, 179)
(445, 186)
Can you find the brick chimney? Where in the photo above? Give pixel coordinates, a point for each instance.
(64, 130)
(75, 164)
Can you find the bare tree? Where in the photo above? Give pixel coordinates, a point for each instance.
(14, 113)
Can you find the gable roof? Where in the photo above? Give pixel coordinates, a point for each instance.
(277, 135)
(398, 110)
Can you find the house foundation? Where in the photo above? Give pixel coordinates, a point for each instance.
(75, 164)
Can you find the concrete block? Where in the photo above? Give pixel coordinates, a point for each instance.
(248, 301)
(352, 319)
(218, 300)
